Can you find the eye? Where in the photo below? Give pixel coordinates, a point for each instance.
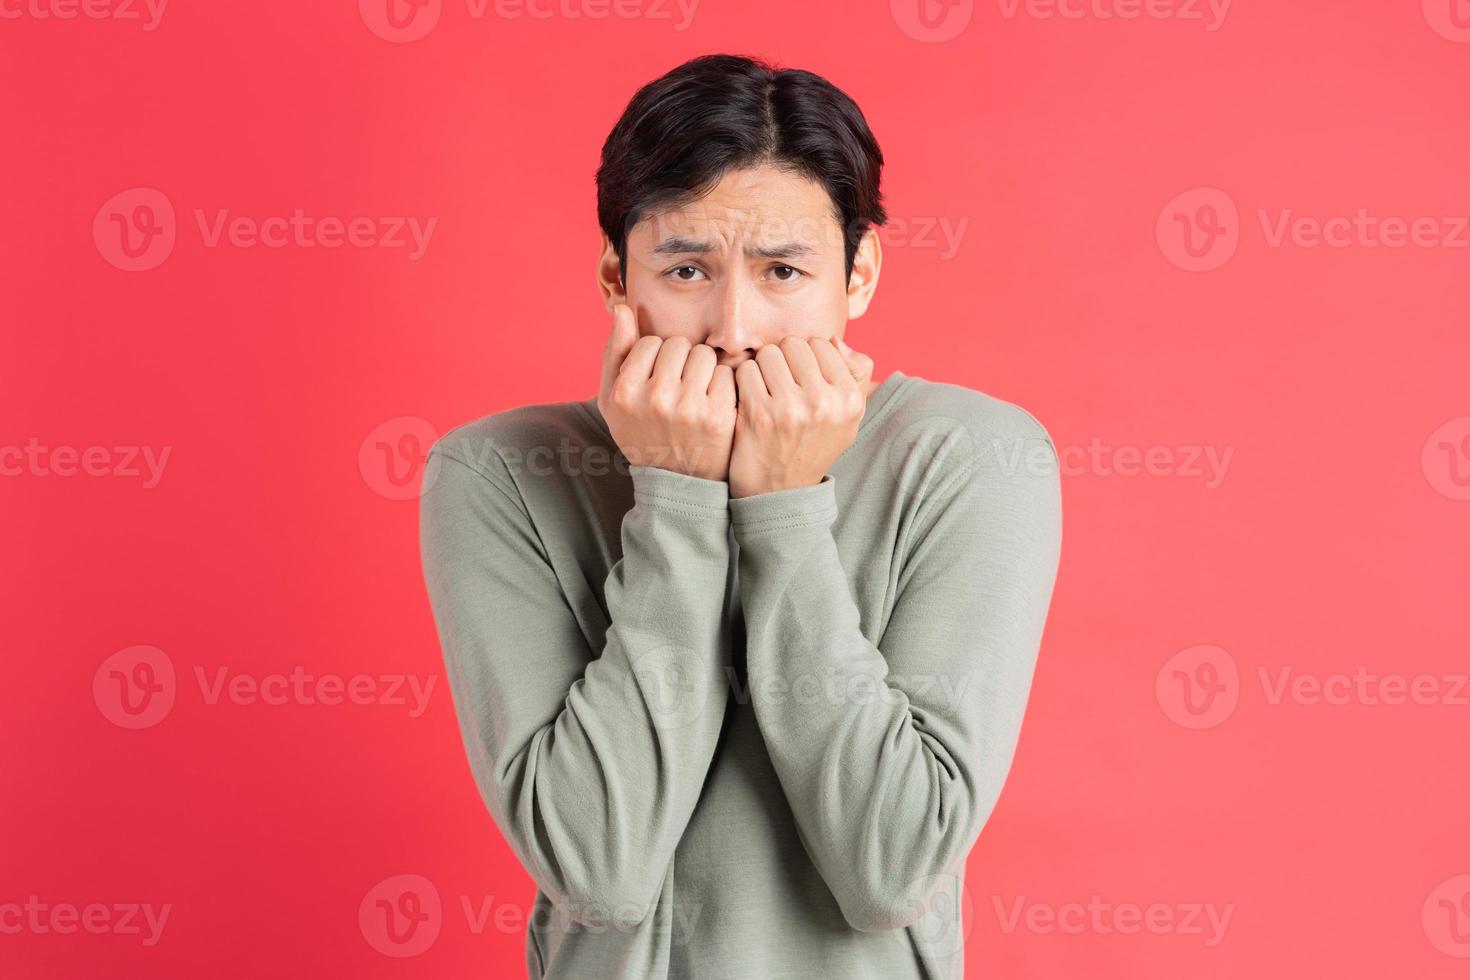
(676, 271)
(795, 273)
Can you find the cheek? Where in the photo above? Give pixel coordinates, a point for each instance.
(660, 317)
(820, 313)
(661, 313)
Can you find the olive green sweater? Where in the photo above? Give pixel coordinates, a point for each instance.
(751, 737)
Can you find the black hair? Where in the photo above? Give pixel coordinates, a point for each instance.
(681, 132)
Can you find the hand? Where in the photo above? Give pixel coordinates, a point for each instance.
(666, 402)
(799, 409)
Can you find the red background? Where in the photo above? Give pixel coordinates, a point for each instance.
(1335, 541)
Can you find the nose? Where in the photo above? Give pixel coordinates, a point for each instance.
(731, 331)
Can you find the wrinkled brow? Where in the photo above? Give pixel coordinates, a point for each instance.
(678, 245)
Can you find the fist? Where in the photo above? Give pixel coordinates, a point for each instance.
(667, 403)
(799, 408)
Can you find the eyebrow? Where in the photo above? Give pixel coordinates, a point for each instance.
(678, 245)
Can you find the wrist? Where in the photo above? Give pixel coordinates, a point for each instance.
(739, 491)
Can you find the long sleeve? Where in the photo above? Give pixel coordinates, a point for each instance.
(893, 755)
(590, 764)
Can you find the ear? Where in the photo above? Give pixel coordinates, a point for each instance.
(608, 276)
(866, 264)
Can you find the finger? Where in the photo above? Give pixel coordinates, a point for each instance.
(860, 366)
(639, 363)
(862, 371)
(833, 364)
(671, 356)
(750, 385)
(777, 375)
(699, 367)
(620, 341)
(722, 385)
(802, 362)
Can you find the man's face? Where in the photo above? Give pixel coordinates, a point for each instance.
(757, 259)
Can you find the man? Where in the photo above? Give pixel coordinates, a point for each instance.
(741, 699)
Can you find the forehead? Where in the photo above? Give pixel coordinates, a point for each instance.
(763, 204)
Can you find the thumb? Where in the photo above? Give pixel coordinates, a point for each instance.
(619, 342)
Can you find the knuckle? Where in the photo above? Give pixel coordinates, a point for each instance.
(663, 402)
(622, 395)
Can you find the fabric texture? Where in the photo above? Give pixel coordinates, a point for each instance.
(753, 737)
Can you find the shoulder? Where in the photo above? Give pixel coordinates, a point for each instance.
(948, 428)
(502, 442)
(540, 438)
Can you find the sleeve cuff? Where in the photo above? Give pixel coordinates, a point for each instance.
(668, 490)
(784, 509)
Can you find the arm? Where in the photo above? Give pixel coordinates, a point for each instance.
(590, 765)
(891, 777)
